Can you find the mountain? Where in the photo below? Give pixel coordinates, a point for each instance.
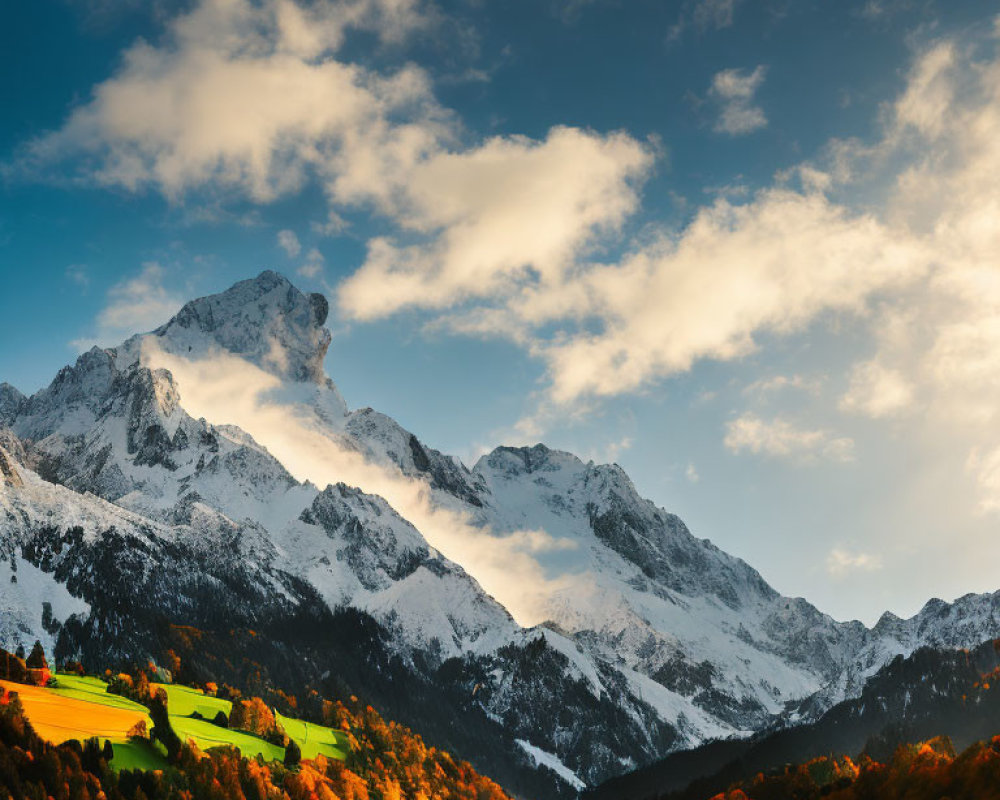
(931, 693)
(128, 516)
(133, 516)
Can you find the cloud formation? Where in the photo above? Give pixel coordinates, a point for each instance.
(782, 439)
(249, 97)
(734, 90)
(289, 242)
(841, 562)
(313, 265)
(509, 213)
(935, 356)
(134, 304)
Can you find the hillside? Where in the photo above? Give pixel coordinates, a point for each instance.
(929, 694)
(68, 737)
(925, 770)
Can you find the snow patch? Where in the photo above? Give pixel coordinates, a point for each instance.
(546, 759)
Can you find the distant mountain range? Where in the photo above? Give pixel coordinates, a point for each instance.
(122, 516)
(929, 694)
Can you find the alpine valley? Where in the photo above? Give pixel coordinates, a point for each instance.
(131, 525)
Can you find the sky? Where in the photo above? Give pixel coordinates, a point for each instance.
(748, 250)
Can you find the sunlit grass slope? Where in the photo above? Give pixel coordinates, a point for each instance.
(183, 701)
(314, 739)
(81, 709)
(93, 690)
(206, 735)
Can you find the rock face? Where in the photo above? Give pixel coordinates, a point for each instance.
(11, 401)
(122, 515)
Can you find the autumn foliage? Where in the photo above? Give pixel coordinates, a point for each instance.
(253, 716)
(929, 770)
(384, 761)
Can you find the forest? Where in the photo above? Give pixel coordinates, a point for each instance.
(383, 760)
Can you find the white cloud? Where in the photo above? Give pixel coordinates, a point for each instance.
(332, 226)
(251, 98)
(691, 473)
(841, 562)
(772, 264)
(313, 264)
(289, 242)
(734, 90)
(223, 388)
(765, 387)
(937, 345)
(248, 96)
(782, 439)
(877, 391)
(609, 453)
(507, 213)
(134, 305)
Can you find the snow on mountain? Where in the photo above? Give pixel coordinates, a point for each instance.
(682, 615)
(123, 435)
(658, 601)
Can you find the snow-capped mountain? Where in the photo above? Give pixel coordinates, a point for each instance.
(124, 510)
(930, 693)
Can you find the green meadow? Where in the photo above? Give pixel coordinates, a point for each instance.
(138, 755)
(92, 690)
(314, 739)
(183, 701)
(206, 736)
(57, 705)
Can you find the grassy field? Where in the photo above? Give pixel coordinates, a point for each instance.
(57, 717)
(81, 708)
(82, 711)
(92, 690)
(183, 701)
(206, 735)
(314, 739)
(138, 755)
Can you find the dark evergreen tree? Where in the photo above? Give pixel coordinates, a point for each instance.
(12, 668)
(161, 725)
(92, 755)
(293, 755)
(37, 658)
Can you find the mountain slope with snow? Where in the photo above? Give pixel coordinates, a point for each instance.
(213, 463)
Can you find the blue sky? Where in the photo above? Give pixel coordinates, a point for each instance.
(744, 249)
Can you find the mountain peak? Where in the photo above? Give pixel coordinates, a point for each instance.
(265, 319)
(526, 460)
